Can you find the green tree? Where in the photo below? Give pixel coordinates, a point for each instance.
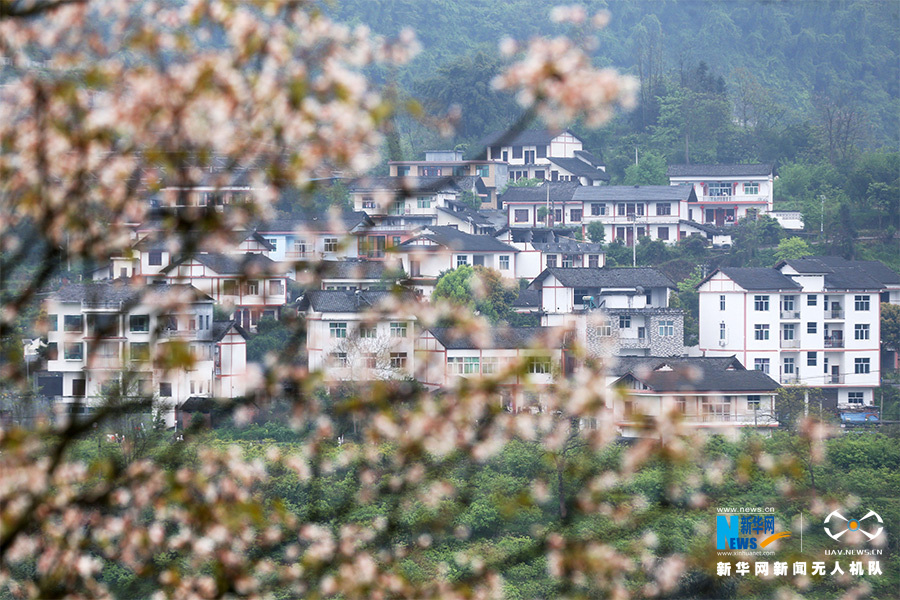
(470, 199)
(596, 232)
(687, 298)
(792, 248)
(890, 326)
(650, 170)
(490, 296)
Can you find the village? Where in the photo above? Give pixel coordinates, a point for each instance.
(533, 208)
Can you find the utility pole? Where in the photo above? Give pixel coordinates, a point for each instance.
(822, 221)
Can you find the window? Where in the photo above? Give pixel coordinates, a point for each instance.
(604, 330)
(53, 322)
(810, 359)
(454, 365)
(541, 151)
(521, 215)
(761, 364)
(165, 389)
(787, 333)
(551, 261)
(557, 215)
(368, 202)
(787, 303)
(52, 351)
(337, 330)
(751, 189)
(716, 409)
(760, 332)
(854, 397)
(367, 331)
(721, 331)
(253, 287)
(761, 303)
(666, 328)
(471, 365)
(140, 351)
(229, 287)
(517, 151)
(539, 364)
(593, 261)
(620, 209)
(79, 388)
(811, 327)
(398, 360)
(753, 402)
(861, 365)
(504, 262)
(139, 323)
(489, 365)
(395, 240)
(103, 325)
(415, 268)
(722, 302)
(155, 258)
(276, 287)
(398, 330)
(331, 244)
(370, 360)
(403, 171)
(861, 303)
(788, 366)
(192, 324)
(73, 323)
(598, 209)
(861, 332)
(811, 300)
(575, 214)
(461, 259)
(624, 321)
(73, 351)
(662, 233)
(340, 360)
(568, 261)
(482, 171)
(663, 208)
(300, 247)
(424, 202)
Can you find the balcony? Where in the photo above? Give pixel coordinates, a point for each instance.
(735, 198)
(834, 342)
(790, 314)
(634, 342)
(790, 377)
(834, 313)
(834, 378)
(794, 343)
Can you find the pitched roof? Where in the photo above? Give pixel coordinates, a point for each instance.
(699, 375)
(607, 277)
(221, 328)
(758, 278)
(121, 291)
(579, 168)
(843, 274)
(416, 185)
(636, 193)
(560, 191)
(590, 158)
(501, 338)
(528, 299)
(529, 137)
(624, 364)
(450, 237)
(316, 222)
(227, 264)
(340, 301)
(353, 269)
(754, 170)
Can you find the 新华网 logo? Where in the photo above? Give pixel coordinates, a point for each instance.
(742, 532)
(853, 525)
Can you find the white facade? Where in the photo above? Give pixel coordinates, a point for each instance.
(726, 193)
(801, 334)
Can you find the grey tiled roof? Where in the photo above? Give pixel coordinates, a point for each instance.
(413, 185)
(560, 191)
(226, 264)
(119, 290)
(221, 328)
(580, 168)
(755, 170)
(528, 299)
(353, 269)
(619, 277)
(590, 158)
(452, 238)
(501, 338)
(760, 278)
(843, 274)
(636, 193)
(699, 375)
(529, 137)
(315, 222)
(334, 301)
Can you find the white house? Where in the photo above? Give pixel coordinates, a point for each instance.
(633, 301)
(551, 204)
(726, 193)
(494, 174)
(814, 322)
(545, 154)
(541, 248)
(360, 335)
(101, 333)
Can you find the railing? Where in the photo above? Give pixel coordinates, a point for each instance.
(834, 313)
(734, 198)
(832, 342)
(790, 377)
(795, 343)
(790, 314)
(839, 378)
(113, 306)
(634, 342)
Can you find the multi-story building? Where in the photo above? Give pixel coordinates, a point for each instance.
(494, 174)
(724, 194)
(634, 303)
(360, 335)
(704, 392)
(551, 204)
(813, 322)
(630, 212)
(111, 332)
(541, 249)
(545, 154)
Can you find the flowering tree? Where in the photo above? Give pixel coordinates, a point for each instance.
(102, 105)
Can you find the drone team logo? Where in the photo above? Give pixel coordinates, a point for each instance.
(854, 525)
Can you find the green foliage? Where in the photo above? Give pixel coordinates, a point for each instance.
(490, 297)
(470, 199)
(688, 299)
(650, 170)
(618, 255)
(596, 232)
(890, 326)
(525, 182)
(792, 248)
(272, 337)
